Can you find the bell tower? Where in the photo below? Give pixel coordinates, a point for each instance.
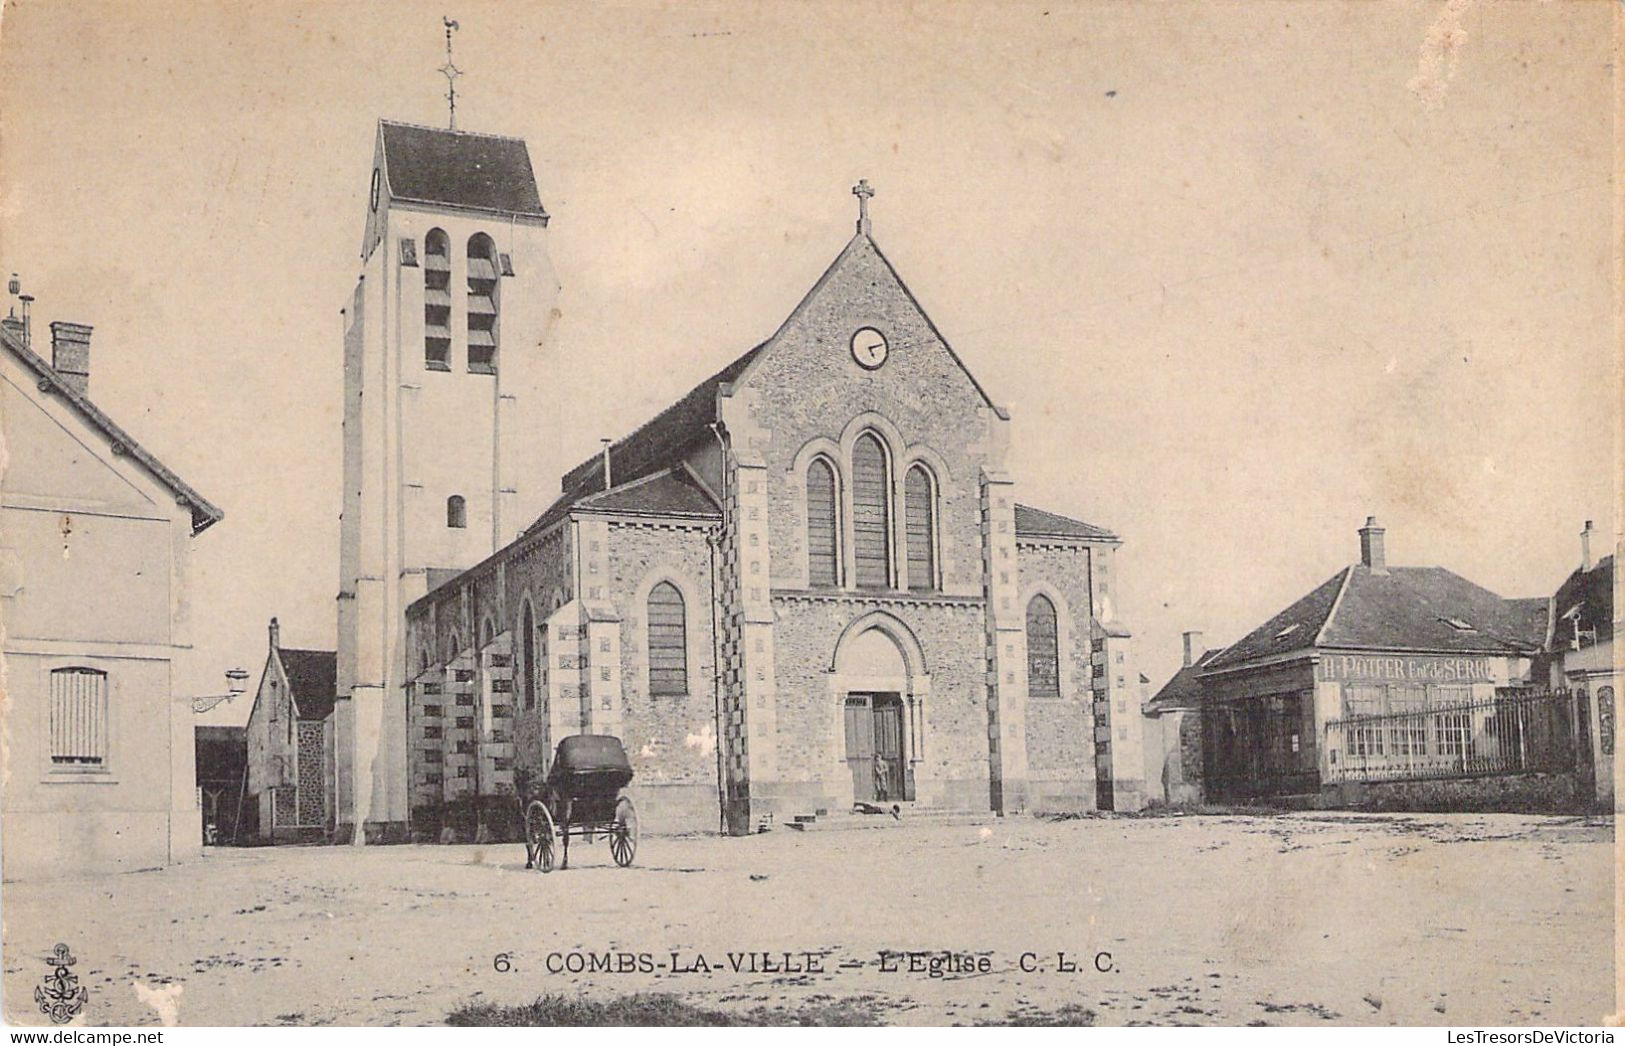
(444, 343)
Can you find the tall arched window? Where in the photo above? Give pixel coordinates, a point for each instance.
(919, 526)
(1043, 650)
(78, 727)
(823, 570)
(437, 300)
(527, 658)
(668, 642)
(871, 515)
(456, 512)
(482, 304)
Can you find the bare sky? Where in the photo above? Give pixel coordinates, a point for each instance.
(1243, 275)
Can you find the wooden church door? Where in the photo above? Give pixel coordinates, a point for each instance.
(874, 747)
(860, 746)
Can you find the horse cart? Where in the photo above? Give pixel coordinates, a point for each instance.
(583, 796)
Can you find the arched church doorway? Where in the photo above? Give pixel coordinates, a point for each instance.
(876, 727)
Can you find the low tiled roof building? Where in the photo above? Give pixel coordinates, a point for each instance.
(1372, 640)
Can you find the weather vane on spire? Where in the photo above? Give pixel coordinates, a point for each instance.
(864, 194)
(450, 71)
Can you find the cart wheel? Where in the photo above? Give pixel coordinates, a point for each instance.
(539, 834)
(623, 836)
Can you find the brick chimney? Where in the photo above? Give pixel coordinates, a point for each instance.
(70, 354)
(1585, 546)
(1193, 647)
(276, 635)
(1372, 551)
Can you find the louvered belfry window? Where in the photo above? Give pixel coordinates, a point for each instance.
(1043, 651)
(871, 518)
(482, 305)
(668, 642)
(919, 512)
(822, 567)
(78, 717)
(437, 300)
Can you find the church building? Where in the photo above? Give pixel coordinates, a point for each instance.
(808, 583)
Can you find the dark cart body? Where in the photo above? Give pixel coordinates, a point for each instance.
(583, 796)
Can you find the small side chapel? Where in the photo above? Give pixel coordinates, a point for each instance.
(808, 583)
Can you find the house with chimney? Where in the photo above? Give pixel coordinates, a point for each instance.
(1404, 686)
(95, 537)
(1579, 656)
(290, 740)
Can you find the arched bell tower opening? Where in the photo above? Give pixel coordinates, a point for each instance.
(879, 687)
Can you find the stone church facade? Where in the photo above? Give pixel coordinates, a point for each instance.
(806, 584)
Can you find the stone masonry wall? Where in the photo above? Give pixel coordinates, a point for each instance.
(671, 740)
(955, 735)
(810, 388)
(1061, 730)
(806, 394)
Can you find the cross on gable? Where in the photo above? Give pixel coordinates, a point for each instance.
(864, 192)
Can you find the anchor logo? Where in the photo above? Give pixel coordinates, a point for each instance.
(61, 997)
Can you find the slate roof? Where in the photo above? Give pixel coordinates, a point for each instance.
(312, 679)
(485, 172)
(204, 514)
(1534, 614)
(1586, 597)
(670, 493)
(658, 445)
(1036, 523)
(1184, 690)
(1402, 609)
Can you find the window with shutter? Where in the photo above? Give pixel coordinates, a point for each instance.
(668, 642)
(78, 717)
(871, 518)
(822, 566)
(919, 520)
(1043, 651)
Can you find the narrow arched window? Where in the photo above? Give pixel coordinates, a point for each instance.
(919, 525)
(482, 304)
(437, 300)
(1043, 650)
(456, 512)
(668, 642)
(78, 727)
(1605, 719)
(527, 658)
(871, 515)
(822, 568)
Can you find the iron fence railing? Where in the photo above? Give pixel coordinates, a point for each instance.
(1514, 732)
